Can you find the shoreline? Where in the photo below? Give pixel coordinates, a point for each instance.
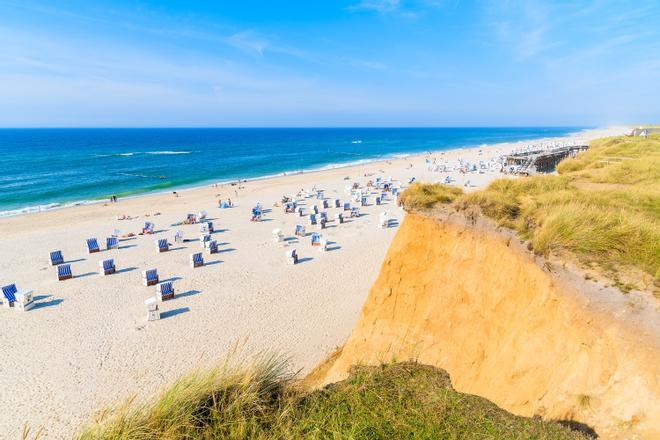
(56, 206)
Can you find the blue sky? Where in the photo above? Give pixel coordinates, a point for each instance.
(329, 63)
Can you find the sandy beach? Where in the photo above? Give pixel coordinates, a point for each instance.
(87, 343)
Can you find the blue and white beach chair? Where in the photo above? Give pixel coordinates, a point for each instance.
(148, 228)
(339, 218)
(165, 290)
(150, 277)
(210, 226)
(211, 247)
(163, 245)
(347, 206)
(92, 245)
(56, 258)
(355, 212)
(196, 260)
(315, 209)
(112, 243)
(377, 200)
(325, 204)
(316, 239)
(292, 256)
(64, 272)
(300, 231)
(301, 212)
(18, 299)
(323, 216)
(178, 237)
(311, 220)
(203, 239)
(204, 228)
(337, 203)
(363, 201)
(107, 267)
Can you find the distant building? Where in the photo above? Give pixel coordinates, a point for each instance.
(645, 131)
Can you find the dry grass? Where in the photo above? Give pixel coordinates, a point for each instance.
(603, 207)
(395, 401)
(420, 196)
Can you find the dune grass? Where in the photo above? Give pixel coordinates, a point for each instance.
(423, 196)
(602, 207)
(405, 400)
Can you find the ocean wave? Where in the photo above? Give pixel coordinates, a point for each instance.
(168, 152)
(117, 154)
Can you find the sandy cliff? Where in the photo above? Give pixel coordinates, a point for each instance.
(533, 338)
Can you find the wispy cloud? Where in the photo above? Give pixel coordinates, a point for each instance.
(380, 6)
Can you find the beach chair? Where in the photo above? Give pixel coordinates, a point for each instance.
(56, 258)
(204, 228)
(178, 237)
(165, 290)
(363, 201)
(323, 245)
(355, 211)
(150, 277)
(323, 216)
(111, 243)
(202, 215)
(107, 267)
(337, 203)
(384, 220)
(64, 272)
(347, 206)
(148, 228)
(210, 227)
(92, 245)
(322, 223)
(301, 213)
(203, 239)
(18, 299)
(211, 247)
(316, 239)
(339, 218)
(315, 209)
(292, 256)
(191, 219)
(152, 309)
(311, 220)
(377, 200)
(277, 235)
(256, 214)
(325, 204)
(163, 245)
(115, 233)
(300, 231)
(196, 260)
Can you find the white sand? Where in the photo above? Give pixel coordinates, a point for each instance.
(88, 343)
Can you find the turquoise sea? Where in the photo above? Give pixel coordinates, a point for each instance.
(49, 168)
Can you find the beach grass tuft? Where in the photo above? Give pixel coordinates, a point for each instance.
(422, 196)
(404, 400)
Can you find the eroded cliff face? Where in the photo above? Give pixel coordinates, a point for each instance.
(469, 299)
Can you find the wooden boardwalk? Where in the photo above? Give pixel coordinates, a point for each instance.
(541, 160)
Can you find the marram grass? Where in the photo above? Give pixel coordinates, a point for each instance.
(395, 401)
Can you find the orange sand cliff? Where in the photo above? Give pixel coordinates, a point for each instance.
(469, 299)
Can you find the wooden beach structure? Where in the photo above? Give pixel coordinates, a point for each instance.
(541, 160)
